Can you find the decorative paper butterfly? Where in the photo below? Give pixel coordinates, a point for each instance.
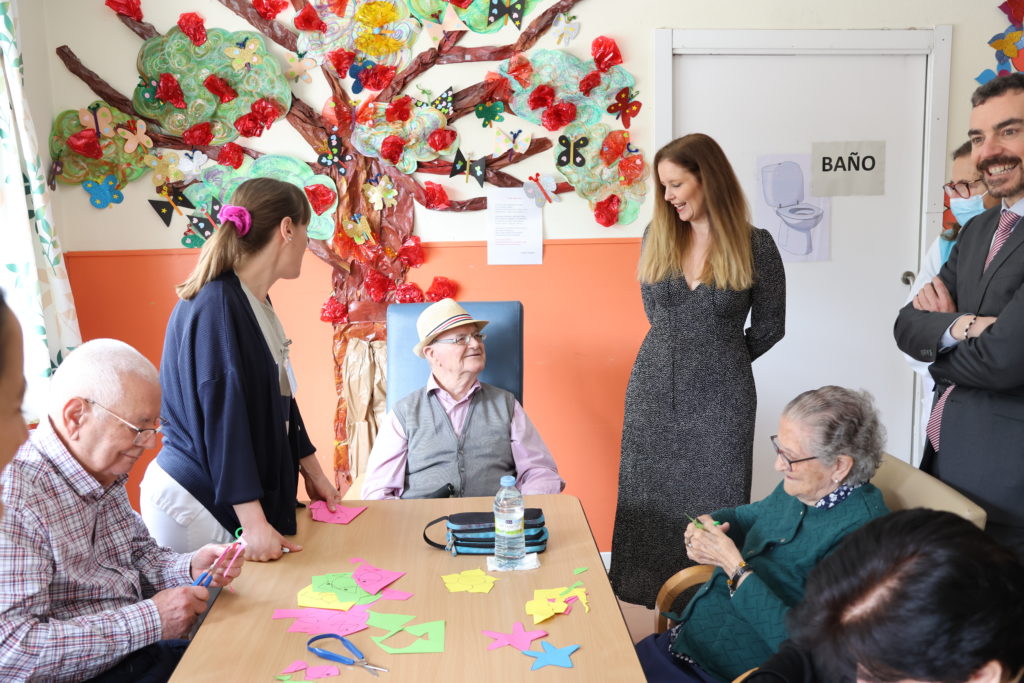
(201, 225)
(243, 54)
(98, 117)
(358, 228)
(300, 68)
(147, 88)
(355, 70)
(516, 141)
(175, 202)
(191, 164)
(333, 156)
(165, 168)
(477, 169)
(513, 10)
(541, 189)
(490, 112)
(625, 105)
(56, 168)
(571, 151)
(134, 134)
(380, 192)
(566, 28)
(103, 193)
(448, 22)
(444, 103)
(1008, 43)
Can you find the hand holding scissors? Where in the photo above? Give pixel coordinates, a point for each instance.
(335, 657)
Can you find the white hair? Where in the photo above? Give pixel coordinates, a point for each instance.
(97, 370)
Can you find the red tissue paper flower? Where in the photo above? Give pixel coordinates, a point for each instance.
(613, 146)
(377, 77)
(219, 87)
(128, 8)
(248, 126)
(441, 288)
(168, 90)
(606, 212)
(309, 20)
(520, 68)
(442, 138)
(399, 110)
(341, 60)
(320, 197)
(268, 9)
(409, 293)
(199, 134)
(86, 143)
(391, 149)
(333, 311)
(230, 155)
(542, 96)
(558, 115)
(630, 169)
(191, 24)
(461, 4)
(377, 285)
(589, 82)
(411, 252)
(266, 111)
(436, 197)
(606, 53)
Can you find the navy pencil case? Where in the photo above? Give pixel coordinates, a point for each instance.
(472, 533)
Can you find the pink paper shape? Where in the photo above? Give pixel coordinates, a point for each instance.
(297, 665)
(341, 514)
(357, 560)
(372, 579)
(392, 594)
(315, 620)
(568, 603)
(520, 639)
(315, 672)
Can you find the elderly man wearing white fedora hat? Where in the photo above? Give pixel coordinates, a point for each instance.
(457, 436)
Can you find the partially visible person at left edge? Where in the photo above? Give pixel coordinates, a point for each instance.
(12, 384)
(85, 592)
(457, 436)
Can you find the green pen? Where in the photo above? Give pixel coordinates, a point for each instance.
(699, 524)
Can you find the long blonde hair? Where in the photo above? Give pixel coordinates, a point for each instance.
(269, 201)
(730, 262)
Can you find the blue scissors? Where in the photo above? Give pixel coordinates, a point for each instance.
(335, 657)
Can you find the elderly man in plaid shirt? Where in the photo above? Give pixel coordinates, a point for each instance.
(85, 592)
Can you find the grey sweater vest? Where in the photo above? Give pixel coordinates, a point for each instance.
(472, 462)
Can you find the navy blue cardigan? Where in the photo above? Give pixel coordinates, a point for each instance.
(225, 440)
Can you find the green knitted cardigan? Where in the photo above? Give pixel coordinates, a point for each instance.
(781, 539)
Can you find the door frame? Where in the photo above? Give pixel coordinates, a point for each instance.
(934, 43)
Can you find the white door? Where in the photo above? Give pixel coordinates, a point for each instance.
(840, 311)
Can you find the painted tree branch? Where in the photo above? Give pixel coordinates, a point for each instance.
(420, 64)
(274, 30)
(143, 29)
(527, 39)
(494, 163)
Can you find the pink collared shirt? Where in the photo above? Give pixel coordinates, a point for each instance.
(536, 471)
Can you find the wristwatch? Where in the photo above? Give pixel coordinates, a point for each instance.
(734, 581)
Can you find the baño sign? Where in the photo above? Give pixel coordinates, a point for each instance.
(847, 168)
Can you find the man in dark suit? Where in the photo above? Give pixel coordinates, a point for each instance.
(970, 321)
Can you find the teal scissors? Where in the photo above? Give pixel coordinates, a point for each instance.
(335, 657)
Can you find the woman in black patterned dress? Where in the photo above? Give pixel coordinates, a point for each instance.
(687, 440)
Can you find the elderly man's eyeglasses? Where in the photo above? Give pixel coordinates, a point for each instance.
(462, 339)
(142, 436)
(789, 461)
(964, 189)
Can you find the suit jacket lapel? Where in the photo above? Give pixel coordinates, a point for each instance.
(1013, 243)
(973, 244)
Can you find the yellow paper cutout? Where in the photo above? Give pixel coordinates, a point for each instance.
(547, 602)
(469, 581)
(1008, 44)
(326, 600)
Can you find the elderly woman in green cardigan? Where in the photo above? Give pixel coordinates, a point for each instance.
(828, 447)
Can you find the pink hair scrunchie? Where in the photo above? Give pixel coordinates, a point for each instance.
(239, 215)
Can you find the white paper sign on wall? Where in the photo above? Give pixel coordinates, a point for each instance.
(847, 168)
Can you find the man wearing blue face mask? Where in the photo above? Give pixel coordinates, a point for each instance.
(967, 197)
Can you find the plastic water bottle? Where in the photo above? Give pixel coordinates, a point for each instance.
(509, 543)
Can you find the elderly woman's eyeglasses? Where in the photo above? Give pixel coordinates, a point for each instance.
(462, 339)
(782, 454)
(964, 189)
(142, 436)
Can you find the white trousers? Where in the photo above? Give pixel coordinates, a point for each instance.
(173, 516)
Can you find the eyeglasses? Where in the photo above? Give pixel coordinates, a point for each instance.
(142, 436)
(462, 339)
(964, 189)
(789, 461)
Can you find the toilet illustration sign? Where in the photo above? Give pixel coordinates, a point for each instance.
(848, 168)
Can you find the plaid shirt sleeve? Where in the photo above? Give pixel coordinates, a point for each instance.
(33, 645)
(161, 567)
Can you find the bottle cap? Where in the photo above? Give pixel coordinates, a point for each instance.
(508, 480)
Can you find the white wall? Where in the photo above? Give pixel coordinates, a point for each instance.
(109, 48)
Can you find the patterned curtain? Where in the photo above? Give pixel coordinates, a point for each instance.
(32, 272)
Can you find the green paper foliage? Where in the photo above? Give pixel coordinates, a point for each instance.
(259, 76)
(594, 181)
(221, 182)
(115, 161)
(474, 16)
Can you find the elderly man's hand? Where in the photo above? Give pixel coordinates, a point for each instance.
(205, 556)
(934, 298)
(711, 545)
(178, 608)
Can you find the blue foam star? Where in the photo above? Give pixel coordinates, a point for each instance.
(552, 656)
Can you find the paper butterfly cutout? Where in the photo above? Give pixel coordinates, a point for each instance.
(98, 117)
(103, 193)
(571, 151)
(201, 225)
(56, 168)
(490, 112)
(134, 134)
(444, 102)
(358, 228)
(517, 141)
(625, 105)
(565, 28)
(165, 168)
(300, 68)
(541, 189)
(1008, 43)
(449, 21)
(380, 193)
(513, 10)
(175, 202)
(333, 155)
(243, 54)
(476, 169)
(355, 70)
(192, 163)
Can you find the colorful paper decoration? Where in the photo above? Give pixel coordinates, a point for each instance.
(566, 28)
(269, 9)
(128, 8)
(191, 24)
(444, 103)
(243, 73)
(441, 288)
(552, 656)
(475, 14)
(625, 105)
(333, 155)
(377, 30)
(517, 141)
(307, 19)
(541, 189)
(172, 203)
(409, 293)
(381, 193)
(84, 153)
(104, 193)
(507, 9)
(134, 134)
(98, 117)
(519, 639)
(572, 150)
(490, 112)
(402, 144)
(475, 169)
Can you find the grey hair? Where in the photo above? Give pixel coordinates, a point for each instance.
(841, 421)
(97, 370)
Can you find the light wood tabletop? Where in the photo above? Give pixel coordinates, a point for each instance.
(240, 642)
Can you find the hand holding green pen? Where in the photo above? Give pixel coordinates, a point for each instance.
(699, 524)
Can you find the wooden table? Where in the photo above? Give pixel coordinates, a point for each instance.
(240, 642)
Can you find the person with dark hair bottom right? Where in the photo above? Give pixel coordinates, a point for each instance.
(913, 597)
